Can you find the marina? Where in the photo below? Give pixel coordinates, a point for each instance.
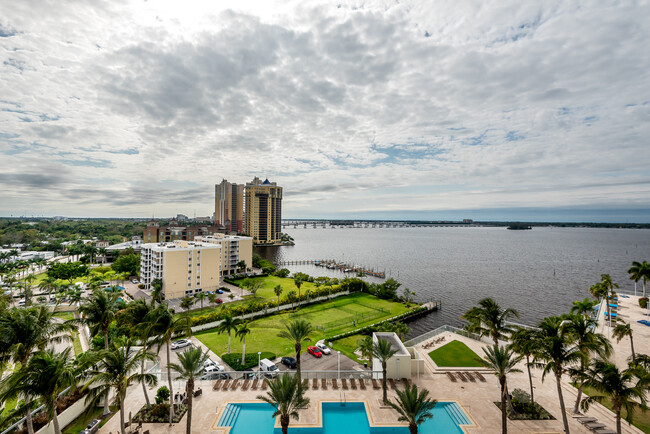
(332, 264)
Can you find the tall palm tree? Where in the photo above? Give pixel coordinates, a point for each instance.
(228, 325)
(98, 312)
(162, 326)
(47, 374)
(286, 395)
(365, 346)
(116, 369)
(297, 280)
(624, 389)
(201, 296)
(48, 284)
(278, 291)
(502, 361)
(556, 352)
(297, 331)
(22, 332)
(242, 331)
(29, 279)
(523, 342)
(383, 350)
(135, 316)
(588, 342)
(414, 407)
(489, 319)
(638, 271)
(584, 307)
(189, 367)
(622, 330)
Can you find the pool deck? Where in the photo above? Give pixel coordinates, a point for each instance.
(477, 398)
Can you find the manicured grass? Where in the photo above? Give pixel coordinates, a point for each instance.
(65, 316)
(264, 336)
(82, 421)
(640, 420)
(287, 284)
(455, 354)
(347, 346)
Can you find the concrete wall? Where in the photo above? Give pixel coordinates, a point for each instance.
(65, 418)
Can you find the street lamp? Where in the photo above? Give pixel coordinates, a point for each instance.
(339, 370)
(259, 361)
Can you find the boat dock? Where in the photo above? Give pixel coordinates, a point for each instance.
(331, 264)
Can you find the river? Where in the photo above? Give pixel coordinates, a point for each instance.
(539, 272)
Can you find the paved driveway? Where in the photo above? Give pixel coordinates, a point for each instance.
(325, 363)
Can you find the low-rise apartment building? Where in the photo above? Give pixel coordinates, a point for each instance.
(234, 248)
(184, 267)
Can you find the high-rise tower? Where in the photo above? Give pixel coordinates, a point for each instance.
(263, 219)
(229, 206)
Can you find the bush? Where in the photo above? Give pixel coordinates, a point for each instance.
(525, 409)
(282, 272)
(159, 410)
(162, 395)
(234, 359)
(643, 302)
(141, 285)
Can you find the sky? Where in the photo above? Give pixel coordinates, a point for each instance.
(498, 109)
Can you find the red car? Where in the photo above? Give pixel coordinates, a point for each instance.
(314, 351)
(218, 301)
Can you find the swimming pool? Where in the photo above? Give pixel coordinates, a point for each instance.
(253, 418)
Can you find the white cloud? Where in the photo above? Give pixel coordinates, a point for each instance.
(366, 107)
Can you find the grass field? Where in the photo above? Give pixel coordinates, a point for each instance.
(455, 354)
(264, 336)
(640, 420)
(347, 346)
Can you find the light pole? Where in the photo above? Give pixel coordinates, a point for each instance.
(398, 377)
(259, 361)
(339, 370)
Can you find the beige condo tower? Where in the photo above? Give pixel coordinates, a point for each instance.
(229, 206)
(263, 216)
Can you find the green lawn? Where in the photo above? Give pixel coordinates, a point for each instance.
(66, 316)
(641, 420)
(347, 346)
(344, 310)
(82, 421)
(455, 354)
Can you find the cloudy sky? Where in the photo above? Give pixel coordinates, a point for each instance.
(408, 109)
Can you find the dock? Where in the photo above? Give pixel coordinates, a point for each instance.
(332, 264)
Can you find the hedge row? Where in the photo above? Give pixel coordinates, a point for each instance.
(256, 305)
(234, 359)
(372, 327)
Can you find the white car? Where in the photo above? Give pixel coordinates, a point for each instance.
(209, 363)
(213, 368)
(323, 348)
(135, 281)
(181, 343)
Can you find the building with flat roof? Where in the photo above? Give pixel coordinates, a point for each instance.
(229, 206)
(263, 216)
(234, 248)
(154, 233)
(403, 364)
(184, 267)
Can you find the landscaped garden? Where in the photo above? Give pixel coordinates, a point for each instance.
(455, 354)
(328, 319)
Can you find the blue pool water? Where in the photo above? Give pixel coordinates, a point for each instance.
(254, 418)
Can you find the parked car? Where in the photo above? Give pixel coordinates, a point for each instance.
(218, 301)
(213, 369)
(289, 362)
(21, 302)
(314, 351)
(323, 348)
(135, 281)
(219, 291)
(92, 427)
(181, 343)
(248, 373)
(209, 363)
(268, 367)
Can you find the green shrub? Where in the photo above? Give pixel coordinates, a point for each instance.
(162, 395)
(234, 360)
(160, 410)
(643, 302)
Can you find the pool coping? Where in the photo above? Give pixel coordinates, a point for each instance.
(319, 416)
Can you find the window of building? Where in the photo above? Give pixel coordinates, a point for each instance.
(188, 292)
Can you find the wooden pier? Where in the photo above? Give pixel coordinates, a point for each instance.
(331, 264)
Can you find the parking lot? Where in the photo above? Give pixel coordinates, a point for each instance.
(325, 363)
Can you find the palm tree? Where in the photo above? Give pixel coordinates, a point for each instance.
(489, 319)
(365, 346)
(115, 369)
(414, 407)
(584, 307)
(556, 351)
(135, 316)
(22, 332)
(201, 296)
(297, 280)
(286, 395)
(228, 324)
(622, 330)
(383, 350)
(28, 288)
(162, 326)
(190, 366)
(523, 342)
(98, 312)
(297, 331)
(278, 292)
(186, 303)
(502, 361)
(624, 389)
(638, 271)
(156, 290)
(47, 374)
(212, 298)
(48, 284)
(587, 342)
(242, 331)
